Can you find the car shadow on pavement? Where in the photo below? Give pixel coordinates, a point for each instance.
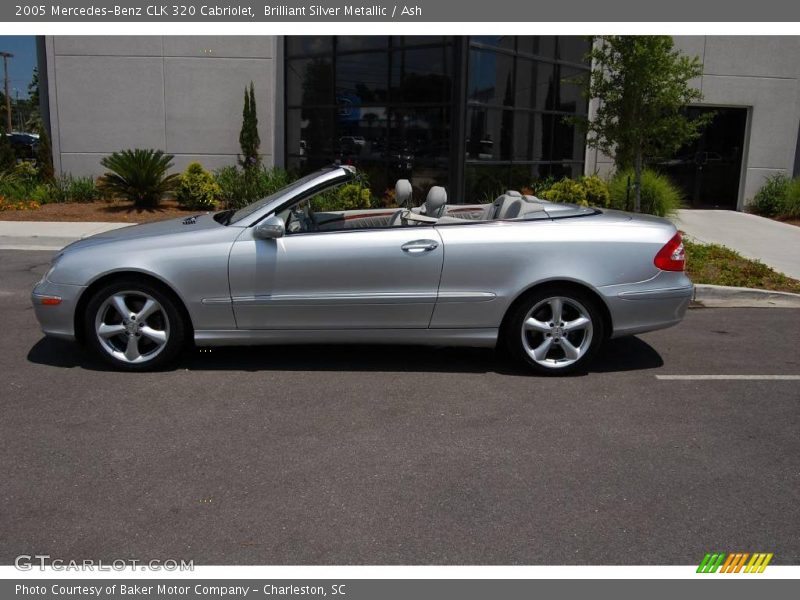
(624, 354)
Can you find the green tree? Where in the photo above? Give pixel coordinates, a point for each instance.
(7, 157)
(44, 157)
(249, 140)
(34, 121)
(642, 84)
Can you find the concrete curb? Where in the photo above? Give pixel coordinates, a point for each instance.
(49, 235)
(720, 296)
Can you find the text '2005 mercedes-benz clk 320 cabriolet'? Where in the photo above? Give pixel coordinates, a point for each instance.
(548, 281)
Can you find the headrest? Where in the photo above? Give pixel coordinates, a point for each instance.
(435, 202)
(402, 193)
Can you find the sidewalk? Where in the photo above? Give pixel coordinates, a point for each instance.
(775, 244)
(43, 235)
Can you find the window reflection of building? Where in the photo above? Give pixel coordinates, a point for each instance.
(386, 104)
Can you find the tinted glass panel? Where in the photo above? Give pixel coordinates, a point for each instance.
(489, 134)
(362, 131)
(309, 81)
(535, 85)
(541, 45)
(574, 48)
(362, 78)
(361, 42)
(484, 183)
(490, 78)
(529, 141)
(308, 44)
(572, 83)
(501, 41)
(419, 40)
(422, 75)
(568, 142)
(315, 127)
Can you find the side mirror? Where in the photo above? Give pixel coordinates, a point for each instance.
(270, 228)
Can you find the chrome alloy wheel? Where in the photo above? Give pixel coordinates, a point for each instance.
(557, 332)
(132, 326)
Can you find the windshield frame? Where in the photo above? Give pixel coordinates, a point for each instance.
(251, 214)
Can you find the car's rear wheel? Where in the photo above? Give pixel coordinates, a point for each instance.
(555, 331)
(134, 326)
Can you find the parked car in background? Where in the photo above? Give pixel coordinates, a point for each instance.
(25, 145)
(549, 281)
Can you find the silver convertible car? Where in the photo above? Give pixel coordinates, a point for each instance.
(548, 281)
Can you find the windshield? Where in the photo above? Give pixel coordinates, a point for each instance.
(259, 204)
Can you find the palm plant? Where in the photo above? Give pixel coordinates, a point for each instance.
(139, 176)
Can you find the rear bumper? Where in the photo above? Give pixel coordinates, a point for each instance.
(660, 304)
(56, 320)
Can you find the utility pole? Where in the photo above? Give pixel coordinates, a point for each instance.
(6, 56)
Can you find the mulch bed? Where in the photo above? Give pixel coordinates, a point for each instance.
(117, 212)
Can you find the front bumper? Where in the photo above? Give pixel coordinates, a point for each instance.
(54, 305)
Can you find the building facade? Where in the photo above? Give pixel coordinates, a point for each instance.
(476, 114)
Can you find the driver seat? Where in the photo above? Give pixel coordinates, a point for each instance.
(436, 202)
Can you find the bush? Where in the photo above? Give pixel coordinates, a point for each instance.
(351, 196)
(660, 196)
(584, 191)
(240, 187)
(791, 206)
(771, 198)
(197, 189)
(67, 188)
(139, 176)
(566, 190)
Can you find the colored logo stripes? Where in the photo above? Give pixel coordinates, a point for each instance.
(734, 562)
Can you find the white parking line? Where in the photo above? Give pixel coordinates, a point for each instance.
(729, 377)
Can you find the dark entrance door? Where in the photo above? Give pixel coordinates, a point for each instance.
(708, 170)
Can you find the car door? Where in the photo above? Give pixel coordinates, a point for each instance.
(364, 278)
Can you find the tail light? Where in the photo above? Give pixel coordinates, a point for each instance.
(671, 257)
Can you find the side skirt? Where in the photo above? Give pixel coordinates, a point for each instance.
(486, 338)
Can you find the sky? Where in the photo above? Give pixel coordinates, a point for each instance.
(20, 68)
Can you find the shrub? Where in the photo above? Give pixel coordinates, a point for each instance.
(139, 176)
(771, 198)
(597, 193)
(197, 189)
(67, 188)
(660, 196)
(351, 196)
(566, 190)
(44, 157)
(9, 204)
(240, 187)
(791, 206)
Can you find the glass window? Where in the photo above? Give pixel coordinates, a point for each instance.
(310, 132)
(535, 86)
(490, 78)
(422, 75)
(574, 48)
(361, 42)
(529, 140)
(309, 81)
(308, 44)
(489, 134)
(419, 40)
(500, 41)
(568, 141)
(572, 86)
(484, 183)
(362, 78)
(540, 45)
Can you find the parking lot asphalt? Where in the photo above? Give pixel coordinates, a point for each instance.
(402, 455)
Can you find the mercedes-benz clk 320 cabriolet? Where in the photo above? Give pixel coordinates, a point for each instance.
(549, 281)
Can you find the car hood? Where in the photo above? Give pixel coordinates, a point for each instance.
(180, 225)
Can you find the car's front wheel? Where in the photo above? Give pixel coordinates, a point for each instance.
(555, 331)
(134, 326)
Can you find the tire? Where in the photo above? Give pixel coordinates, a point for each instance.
(568, 345)
(149, 337)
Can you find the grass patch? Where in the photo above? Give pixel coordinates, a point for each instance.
(717, 265)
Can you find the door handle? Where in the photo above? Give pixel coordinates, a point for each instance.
(419, 246)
